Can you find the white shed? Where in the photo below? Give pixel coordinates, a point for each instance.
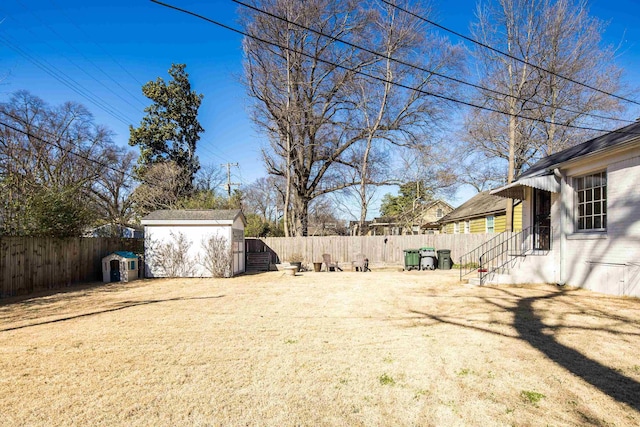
(177, 242)
(120, 266)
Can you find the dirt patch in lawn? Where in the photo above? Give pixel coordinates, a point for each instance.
(381, 348)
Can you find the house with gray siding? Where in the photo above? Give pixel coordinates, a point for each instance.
(582, 209)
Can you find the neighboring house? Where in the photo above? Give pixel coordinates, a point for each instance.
(354, 228)
(115, 230)
(589, 197)
(424, 220)
(193, 228)
(483, 213)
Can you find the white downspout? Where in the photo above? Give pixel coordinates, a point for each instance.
(563, 220)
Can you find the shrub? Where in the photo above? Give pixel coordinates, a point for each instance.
(172, 256)
(295, 257)
(217, 258)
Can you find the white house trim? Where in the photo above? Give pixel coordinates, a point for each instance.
(603, 260)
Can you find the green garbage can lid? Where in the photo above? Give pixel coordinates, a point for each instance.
(427, 249)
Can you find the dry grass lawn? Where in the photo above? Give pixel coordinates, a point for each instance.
(320, 349)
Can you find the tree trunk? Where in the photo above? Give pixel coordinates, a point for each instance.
(511, 168)
(301, 210)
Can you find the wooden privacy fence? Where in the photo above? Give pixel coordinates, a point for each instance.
(379, 249)
(30, 264)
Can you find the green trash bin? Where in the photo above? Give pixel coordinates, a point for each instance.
(444, 259)
(411, 259)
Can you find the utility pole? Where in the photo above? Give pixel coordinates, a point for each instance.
(229, 183)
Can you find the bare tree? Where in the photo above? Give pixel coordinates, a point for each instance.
(209, 178)
(263, 198)
(161, 189)
(374, 169)
(112, 190)
(384, 110)
(538, 107)
(299, 90)
(321, 100)
(50, 159)
(426, 176)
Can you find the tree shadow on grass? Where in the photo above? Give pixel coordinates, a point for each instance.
(530, 327)
(121, 306)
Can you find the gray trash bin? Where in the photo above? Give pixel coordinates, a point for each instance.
(428, 258)
(444, 259)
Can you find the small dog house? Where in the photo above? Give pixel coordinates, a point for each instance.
(120, 266)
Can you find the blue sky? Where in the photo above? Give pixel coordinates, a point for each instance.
(111, 48)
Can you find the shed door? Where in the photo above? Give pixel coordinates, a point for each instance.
(114, 266)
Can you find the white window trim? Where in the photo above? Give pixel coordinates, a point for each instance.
(493, 223)
(467, 227)
(585, 233)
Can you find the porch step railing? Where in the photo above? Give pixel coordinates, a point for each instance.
(496, 253)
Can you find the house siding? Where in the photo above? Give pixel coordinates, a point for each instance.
(604, 262)
(543, 267)
(610, 264)
(431, 214)
(517, 217)
(479, 224)
(501, 220)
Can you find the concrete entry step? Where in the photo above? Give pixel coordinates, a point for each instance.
(474, 281)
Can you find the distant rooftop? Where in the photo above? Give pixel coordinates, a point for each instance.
(479, 205)
(194, 214)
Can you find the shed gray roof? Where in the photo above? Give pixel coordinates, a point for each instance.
(603, 142)
(479, 205)
(194, 214)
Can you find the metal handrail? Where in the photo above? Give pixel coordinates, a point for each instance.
(470, 262)
(498, 251)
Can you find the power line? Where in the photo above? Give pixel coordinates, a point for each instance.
(421, 68)
(209, 150)
(443, 97)
(229, 183)
(68, 151)
(96, 44)
(508, 55)
(86, 59)
(59, 74)
(75, 145)
(66, 80)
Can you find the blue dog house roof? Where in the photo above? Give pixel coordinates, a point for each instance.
(126, 254)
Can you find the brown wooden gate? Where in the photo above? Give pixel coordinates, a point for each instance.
(259, 256)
